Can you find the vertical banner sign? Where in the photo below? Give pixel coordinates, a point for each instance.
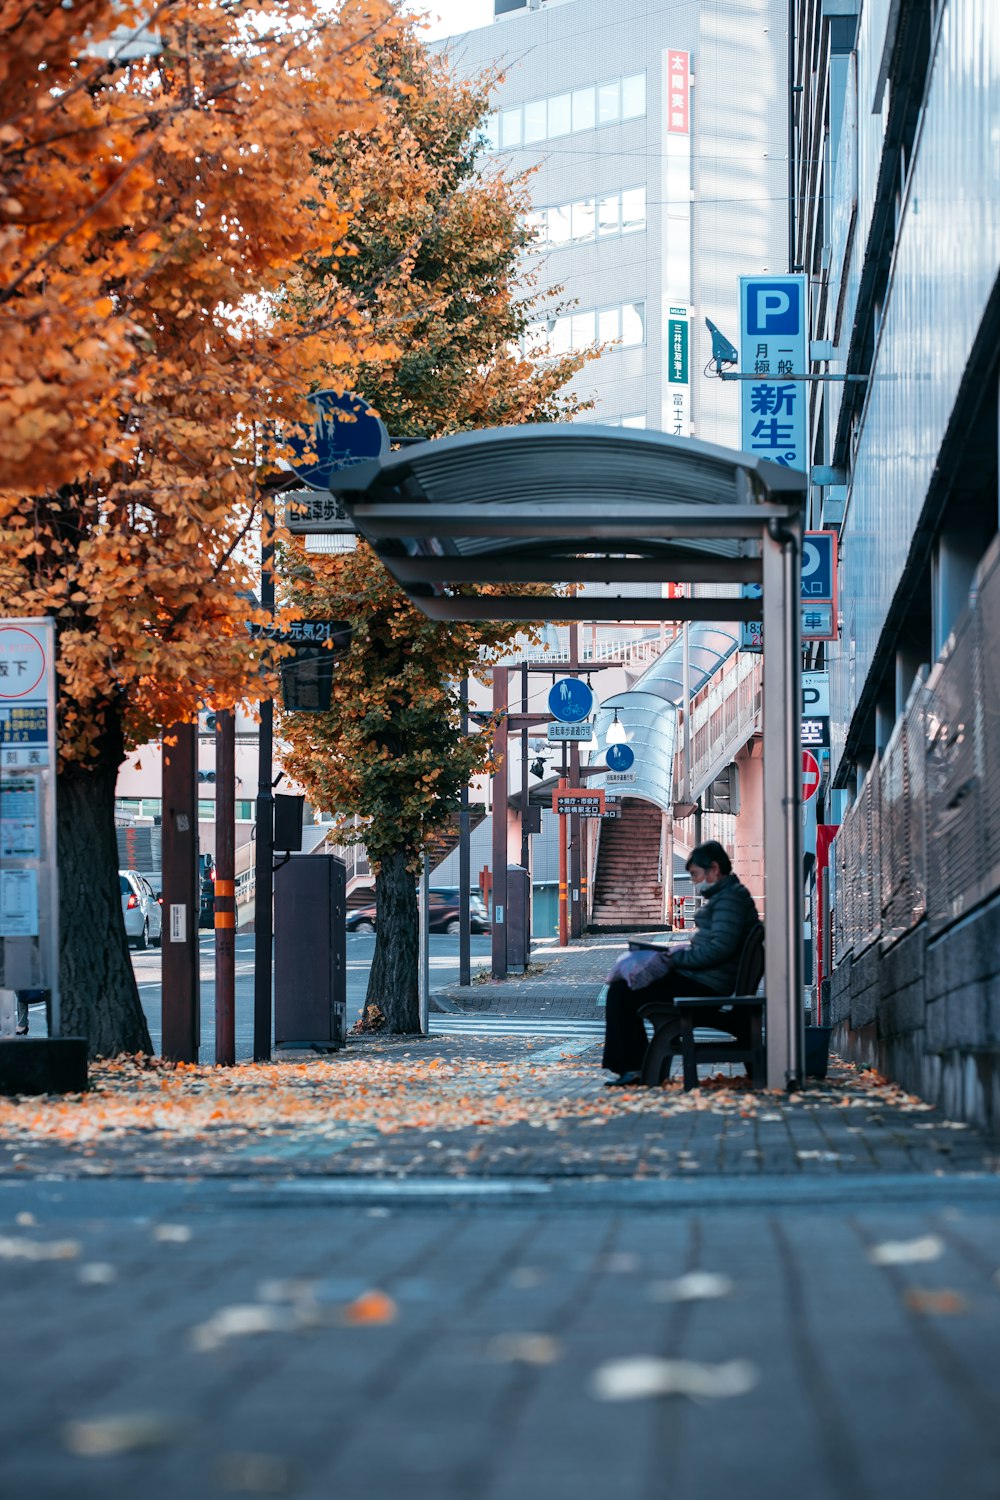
(29, 893)
(678, 73)
(678, 373)
(676, 416)
(773, 345)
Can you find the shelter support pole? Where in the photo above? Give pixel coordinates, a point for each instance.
(263, 926)
(501, 781)
(464, 864)
(781, 555)
(563, 872)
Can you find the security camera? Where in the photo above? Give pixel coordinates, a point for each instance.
(723, 352)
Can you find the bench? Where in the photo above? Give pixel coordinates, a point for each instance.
(674, 1024)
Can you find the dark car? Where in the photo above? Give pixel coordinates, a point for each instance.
(206, 913)
(443, 913)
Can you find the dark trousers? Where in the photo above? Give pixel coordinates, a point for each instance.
(624, 1033)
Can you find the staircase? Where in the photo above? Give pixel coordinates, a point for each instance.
(628, 885)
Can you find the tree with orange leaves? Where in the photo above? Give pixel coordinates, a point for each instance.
(438, 269)
(152, 213)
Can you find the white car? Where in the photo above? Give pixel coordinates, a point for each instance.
(141, 910)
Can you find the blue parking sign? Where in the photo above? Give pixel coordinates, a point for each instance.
(772, 350)
(819, 560)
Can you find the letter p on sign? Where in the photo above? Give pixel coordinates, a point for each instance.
(773, 308)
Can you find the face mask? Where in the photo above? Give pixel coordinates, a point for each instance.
(704, 888)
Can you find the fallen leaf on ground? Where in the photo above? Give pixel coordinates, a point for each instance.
(906, 1252)
(939, 1302)
(20, 1249)
(643, 1375)
(171, 1234)
(370, 1307)
(238, 1322)
(695, 1286)
(97, 1273)
(103, 1437)
(526, 1348)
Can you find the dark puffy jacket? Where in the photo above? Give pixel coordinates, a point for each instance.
(724, 923)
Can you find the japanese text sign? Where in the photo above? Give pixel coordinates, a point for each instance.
(678, 77)
(773, 340)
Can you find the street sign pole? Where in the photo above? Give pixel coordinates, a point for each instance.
(501, 781)
(264, 883)
(181, 894)
(563, 872)
(225, 887)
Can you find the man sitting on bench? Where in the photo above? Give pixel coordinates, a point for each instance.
(706, 966)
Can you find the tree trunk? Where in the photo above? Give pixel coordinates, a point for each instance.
(393, 981)
(99, 996)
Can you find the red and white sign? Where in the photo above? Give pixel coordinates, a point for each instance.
(810, 775)
(678, 95)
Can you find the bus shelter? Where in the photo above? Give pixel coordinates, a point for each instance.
(565, 503)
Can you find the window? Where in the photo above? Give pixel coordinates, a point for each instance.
(634, 96)
(633, 210)
(510, 127)
(206, 810)
(608, 103)
(560, 115)
(608, 325)
(534, 121)
(624, 325)
(560, 225)
(244, 811)
(633, 324)
(581, 222)
(567, 114)
(608, 215)
(583, 109)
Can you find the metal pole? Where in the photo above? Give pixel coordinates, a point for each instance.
(425, 944)
(500, 784)
(563, 894)
(686, 690)
(264, 897)
(225, 887)
(464, 864)
(781, 555)
(181, 895)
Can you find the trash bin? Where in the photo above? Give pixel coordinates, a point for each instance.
(310, 952)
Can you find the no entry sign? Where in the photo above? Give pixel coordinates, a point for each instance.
(810, 775)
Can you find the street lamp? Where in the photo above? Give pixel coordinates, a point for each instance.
(616, 732)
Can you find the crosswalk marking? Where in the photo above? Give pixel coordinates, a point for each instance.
(490, 1025)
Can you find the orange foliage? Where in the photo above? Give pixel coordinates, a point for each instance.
(151, 215)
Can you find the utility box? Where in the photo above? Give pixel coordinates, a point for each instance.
(518, 919)
(310, 952)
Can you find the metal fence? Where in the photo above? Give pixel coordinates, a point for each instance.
(922, 839)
